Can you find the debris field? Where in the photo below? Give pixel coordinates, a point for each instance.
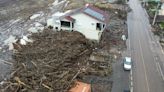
(52, 63)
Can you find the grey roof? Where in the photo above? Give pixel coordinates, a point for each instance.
(94, 14)
(91, 11)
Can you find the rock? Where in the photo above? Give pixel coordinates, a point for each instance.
(9, 42)
(27, 39)
(23, 42)
(33, 30)
(55, 3)
(123, 37)
(37, 24)
(36, 15)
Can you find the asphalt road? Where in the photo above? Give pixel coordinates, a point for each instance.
(146, 52)
(121, 79)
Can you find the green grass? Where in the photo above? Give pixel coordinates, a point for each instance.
(151, 13)
(151, 8)
(161, 25)
(152, 5)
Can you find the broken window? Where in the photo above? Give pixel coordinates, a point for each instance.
(98, 26)
(50, 27)
(72, 25)
(65, 24)
(103, 25)
(56, 28)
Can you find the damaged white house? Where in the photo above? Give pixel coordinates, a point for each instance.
(89, 20)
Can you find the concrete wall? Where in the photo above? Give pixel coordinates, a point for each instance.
(87, 26)
(161, 12)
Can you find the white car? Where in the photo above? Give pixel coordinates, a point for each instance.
(127, 63)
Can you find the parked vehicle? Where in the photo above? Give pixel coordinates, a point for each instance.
(127, 63)
(126, 91)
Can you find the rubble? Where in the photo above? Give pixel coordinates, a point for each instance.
(27, 39)
(55, 2)
(53, 62)
(36, 29)
(123, 37)
(121, 7)
(34, 16)
(16, 23)
(9, 42)
(33, 30)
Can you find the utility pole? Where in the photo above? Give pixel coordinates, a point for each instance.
(155, 16)
(144, 2)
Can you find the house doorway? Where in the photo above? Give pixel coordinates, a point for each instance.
(98, 26)
(72, 25)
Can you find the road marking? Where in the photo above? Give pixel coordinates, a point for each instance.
(162, 51)
(131, 89)
(151, 38)
(158, 43)
(161, 47)
(145, 72)
(131, 81)
(131, 78)
(157, 67)
(160, 70)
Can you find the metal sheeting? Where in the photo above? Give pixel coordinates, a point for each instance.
(94, 14)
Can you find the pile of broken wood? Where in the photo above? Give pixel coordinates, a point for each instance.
(51, 63)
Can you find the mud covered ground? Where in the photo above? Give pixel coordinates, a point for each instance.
(14, 23)
(12, 9)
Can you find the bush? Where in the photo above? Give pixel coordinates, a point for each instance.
(161, 25)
